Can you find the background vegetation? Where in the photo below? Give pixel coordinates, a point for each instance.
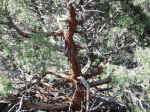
(119, 39)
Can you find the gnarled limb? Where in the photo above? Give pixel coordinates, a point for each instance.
(30, 35)
(39, 106)
(101, 82)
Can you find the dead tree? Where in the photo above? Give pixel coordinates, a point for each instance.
(79, 80)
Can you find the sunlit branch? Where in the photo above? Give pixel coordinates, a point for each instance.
(30, 35)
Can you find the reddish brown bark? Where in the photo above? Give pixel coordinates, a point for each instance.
(75, 69)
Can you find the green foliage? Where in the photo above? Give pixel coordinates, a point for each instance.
(143, 57)
(23, 2)
(33, 53)
(128, 84)
(3, 7)
(121, 75)
(5, 86)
